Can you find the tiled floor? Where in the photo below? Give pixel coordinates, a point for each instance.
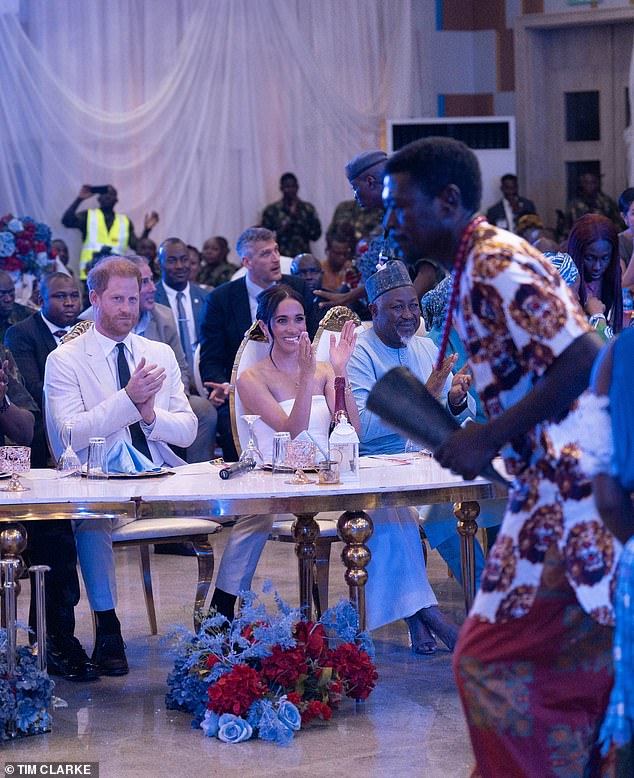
(412, 725)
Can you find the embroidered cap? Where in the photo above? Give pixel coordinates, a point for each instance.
(363, 162)
(392, 275)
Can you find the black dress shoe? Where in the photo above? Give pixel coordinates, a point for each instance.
(180, 549)
(67, 658)
(109, 655)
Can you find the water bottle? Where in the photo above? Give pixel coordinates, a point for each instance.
(344, 448)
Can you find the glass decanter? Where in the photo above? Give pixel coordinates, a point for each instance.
(251, 452)
(69, 464)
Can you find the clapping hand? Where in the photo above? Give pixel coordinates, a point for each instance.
(306, 358)
(436, 381)
(143, 386)
(460, 385)
(341, 352)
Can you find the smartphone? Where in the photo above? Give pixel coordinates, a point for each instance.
(99, 190)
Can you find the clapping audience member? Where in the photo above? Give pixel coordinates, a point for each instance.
(184, 298)
(216, 268)
(156, 322)
(10, 311)
(294, 221)
(395, 544)
(230, 311)
(593, 245)
(52, 543)
(112, 383)
(103, 227)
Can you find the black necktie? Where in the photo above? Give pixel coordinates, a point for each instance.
(59, 334)
(139, 441)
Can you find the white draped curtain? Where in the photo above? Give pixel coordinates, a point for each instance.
(194, 108)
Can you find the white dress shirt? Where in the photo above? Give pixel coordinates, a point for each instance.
(189, 311)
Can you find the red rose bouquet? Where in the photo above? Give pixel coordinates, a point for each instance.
(266, 675)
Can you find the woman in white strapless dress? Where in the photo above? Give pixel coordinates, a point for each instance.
(290, 391)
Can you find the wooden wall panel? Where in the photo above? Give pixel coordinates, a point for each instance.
(469, 105)
(505, 61)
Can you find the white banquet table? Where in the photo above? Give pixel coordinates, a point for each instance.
(197, 490)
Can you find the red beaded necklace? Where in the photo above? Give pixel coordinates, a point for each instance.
(456, 274)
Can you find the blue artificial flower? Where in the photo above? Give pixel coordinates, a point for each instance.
(289, 715)
(265, 720)
(15, 225)
(233, 729)
(43, 233)
(343, 620)
(7, 244)
(209, 724)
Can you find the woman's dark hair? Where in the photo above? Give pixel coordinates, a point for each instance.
(270, 299)
(585, 231)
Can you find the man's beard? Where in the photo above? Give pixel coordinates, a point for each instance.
(406, 340)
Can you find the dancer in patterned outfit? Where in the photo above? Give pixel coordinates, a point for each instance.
(533, 661)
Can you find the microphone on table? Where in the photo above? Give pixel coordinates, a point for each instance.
(237, 468)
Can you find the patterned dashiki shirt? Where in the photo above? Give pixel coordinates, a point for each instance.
(515, 317)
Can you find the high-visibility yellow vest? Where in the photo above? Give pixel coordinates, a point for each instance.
(97, 236)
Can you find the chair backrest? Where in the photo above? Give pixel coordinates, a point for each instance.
(333, 322)
(254, 347)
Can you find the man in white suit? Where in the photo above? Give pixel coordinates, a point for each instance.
(113, 383)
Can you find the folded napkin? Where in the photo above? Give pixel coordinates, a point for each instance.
(124, 458)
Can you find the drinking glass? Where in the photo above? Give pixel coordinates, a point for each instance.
(97, 464)
(300, 454)
(69, 464)
(412, 447)
(251, 452)
(278, 458)
(15, 460)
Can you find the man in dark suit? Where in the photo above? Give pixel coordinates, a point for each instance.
(230, 311)
(507, 211)
(186, 300)
(52, 543)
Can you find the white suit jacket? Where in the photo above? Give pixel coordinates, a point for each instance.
(78, 387)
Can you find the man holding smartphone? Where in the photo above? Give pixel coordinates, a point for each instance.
(103, 227)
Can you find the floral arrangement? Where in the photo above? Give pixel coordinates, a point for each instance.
(266, 675)
(25, 245)
(26, 699)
